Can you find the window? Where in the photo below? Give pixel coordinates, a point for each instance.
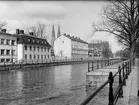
(38, 48)
(48, 56)
(45, 49)
(41, 48)
(13, 42)
(7, 60)
(30, 56)
(48, 49)
(25, 47)
(13, 52)
(33, 40)
(34, 48)
(2, 41)
(41, 56)
(2, 51)
(38, 57)
(45, 56)
(62, 41)
(25, 56)
(30, 48)
(2, 60)
(8, 41)
(34, 56)
(7, 52)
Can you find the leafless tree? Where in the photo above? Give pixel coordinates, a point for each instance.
(2, 24)
(39, 30)
(120, 18)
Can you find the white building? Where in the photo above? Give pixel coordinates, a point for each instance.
(66, 46)
(31, 48)
(8, 47)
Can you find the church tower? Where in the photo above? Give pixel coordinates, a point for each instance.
(53, 35)
(58, 31)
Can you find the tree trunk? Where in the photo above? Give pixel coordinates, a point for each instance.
(133, 54)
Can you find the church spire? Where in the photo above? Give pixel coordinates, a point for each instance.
(58, 31)
(53, 35)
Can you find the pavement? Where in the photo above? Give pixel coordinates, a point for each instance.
(130, 96)
(132, 86)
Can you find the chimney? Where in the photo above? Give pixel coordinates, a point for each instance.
(21, 31)
(4, 30)
(31, 33)
(17, 31)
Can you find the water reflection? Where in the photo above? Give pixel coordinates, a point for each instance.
(58, 85)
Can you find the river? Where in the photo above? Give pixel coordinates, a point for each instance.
(56, 85)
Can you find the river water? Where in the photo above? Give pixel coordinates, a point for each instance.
(56, 85)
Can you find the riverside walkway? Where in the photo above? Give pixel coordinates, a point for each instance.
(130, 89)
(130, 96)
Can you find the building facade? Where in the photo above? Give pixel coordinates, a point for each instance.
(66, 46)
(30, 48)
(99, 49)
(8, 47)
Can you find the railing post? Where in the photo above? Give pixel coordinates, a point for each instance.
(97, 64)
(120, 82)
(102, 63)
(110, 88)
(108, 62)
(88, 67)
(92, 65)
(123, 75)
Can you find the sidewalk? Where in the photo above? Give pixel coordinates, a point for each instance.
(131, 88)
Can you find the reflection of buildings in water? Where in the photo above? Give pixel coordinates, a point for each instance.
(62, 76)
(19, 81)
(94, 82)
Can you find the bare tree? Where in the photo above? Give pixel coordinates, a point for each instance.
(39, 30)
(120, 18)
(2, 25)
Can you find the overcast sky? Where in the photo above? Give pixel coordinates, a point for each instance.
(75, 17)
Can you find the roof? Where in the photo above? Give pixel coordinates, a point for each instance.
(27, 39)
(98, 45)
(7, 34)
(75, 39)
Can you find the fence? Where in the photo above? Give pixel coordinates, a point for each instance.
(122, 73)
(43, 63)
(96, 64)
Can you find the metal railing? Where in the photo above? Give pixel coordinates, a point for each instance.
(123, 71)
(96, 64)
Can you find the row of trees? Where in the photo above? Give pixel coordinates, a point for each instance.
(123, 53)
(121, 19)
(39, 30)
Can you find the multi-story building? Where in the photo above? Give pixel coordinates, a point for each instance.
(99, 49)
(8, 47)
(31, 48)
(66, 46)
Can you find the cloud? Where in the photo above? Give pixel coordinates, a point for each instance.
(32, 10)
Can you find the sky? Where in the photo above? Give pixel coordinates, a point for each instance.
(74, 17)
